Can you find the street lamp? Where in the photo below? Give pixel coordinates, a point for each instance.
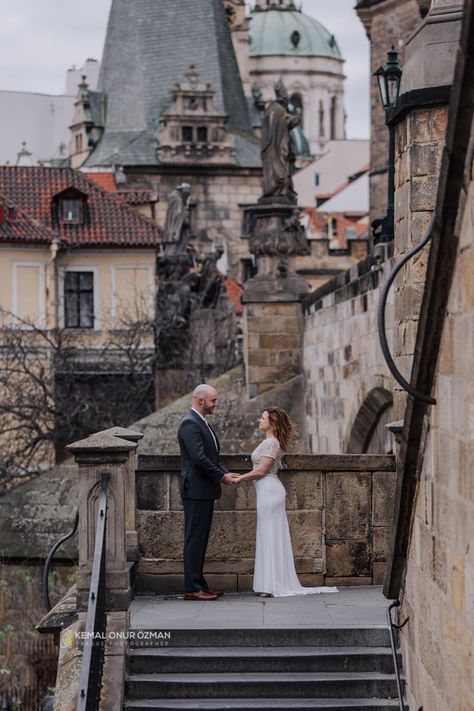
(389, 78)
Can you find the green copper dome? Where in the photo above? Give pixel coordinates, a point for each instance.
(289, 32)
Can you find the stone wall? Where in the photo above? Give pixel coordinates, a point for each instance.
(339, 511)
(343, 363)
(217, 213)
(420, 140)
(438, 642)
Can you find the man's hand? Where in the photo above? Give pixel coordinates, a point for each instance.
(230, 479)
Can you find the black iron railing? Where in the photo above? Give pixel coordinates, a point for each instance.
(96, 625)
(392, 627)
(49, 560)
(381, 319)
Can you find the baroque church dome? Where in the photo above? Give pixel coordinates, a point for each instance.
(285, 31)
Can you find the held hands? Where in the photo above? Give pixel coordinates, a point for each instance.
(231, 479)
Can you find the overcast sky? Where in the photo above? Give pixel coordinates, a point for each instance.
(41, 39)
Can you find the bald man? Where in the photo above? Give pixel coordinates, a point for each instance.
(200, 485)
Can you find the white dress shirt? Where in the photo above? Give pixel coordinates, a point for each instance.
(207, 424)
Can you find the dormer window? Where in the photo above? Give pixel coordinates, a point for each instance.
(71, 211)
(69, 206)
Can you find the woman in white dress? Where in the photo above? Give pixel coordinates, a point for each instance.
(274, 573)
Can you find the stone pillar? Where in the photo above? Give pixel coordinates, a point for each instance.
(103, 454)
(273, 314)
(131, 536)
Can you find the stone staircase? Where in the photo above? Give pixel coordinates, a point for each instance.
(348, 669)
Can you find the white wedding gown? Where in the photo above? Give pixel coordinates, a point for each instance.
(274, 564)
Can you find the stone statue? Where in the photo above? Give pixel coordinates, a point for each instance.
(278, 155)
(177, 227)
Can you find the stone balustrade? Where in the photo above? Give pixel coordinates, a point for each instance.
(339, 510)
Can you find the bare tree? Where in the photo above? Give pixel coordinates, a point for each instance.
(58, 385)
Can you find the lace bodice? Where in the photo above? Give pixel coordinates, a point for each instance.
(270, 447)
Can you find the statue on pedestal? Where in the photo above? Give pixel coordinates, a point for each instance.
(278, 156)
(177, 227)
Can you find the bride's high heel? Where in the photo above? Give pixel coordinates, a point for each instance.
(265, 595)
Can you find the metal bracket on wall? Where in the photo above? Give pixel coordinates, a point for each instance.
(381, 318)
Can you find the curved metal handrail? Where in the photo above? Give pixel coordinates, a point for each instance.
(381, 319)
(391, 627)
(50, 557)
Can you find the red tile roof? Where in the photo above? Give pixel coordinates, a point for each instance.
(107, 221)
(16, 226)
(106, 180)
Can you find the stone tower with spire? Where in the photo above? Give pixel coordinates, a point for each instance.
(175, 111)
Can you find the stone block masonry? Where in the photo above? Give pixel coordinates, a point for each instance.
(419, 148)
(342, 360)
(338, 509)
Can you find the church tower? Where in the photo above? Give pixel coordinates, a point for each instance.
(175, 112)
(149, 49)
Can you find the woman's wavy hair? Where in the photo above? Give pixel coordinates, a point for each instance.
(281, 425)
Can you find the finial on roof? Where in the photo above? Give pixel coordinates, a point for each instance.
(192, 76)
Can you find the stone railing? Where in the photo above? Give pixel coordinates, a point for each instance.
(339, 511)
(110, 453)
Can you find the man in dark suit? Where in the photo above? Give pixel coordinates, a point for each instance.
(200, 485)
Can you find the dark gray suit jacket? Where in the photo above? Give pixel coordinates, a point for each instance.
(201, 471)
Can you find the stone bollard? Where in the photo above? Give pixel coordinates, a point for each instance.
(98, 454)
(130, 494)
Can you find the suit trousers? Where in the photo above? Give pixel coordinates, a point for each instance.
(197, 525)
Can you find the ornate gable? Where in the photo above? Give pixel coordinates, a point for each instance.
(192, 130)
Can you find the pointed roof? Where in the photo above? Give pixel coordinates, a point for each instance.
(149, 47)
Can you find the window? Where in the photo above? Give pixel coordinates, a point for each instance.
(79, 299)
(71, 211)
(187, 134)
(202, 134)
(321, 119)
(78, 139)
(333, 117)
(249, 269)
(316, 179)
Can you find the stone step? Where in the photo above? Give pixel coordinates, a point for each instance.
(259, 659)
(266, 637)
(268, 704)
(261, 685)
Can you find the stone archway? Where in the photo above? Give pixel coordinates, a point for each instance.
(368, 432)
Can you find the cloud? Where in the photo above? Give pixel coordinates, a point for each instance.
(41, 39)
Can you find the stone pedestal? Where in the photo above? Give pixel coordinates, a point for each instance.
(131, 537)
(97, 455)
(273, 313)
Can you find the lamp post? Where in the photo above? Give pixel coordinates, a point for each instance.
(389, 77)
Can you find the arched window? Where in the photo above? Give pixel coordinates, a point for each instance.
(333, 117)
(296, 101)
(321, 119)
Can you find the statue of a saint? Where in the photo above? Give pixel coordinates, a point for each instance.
(177, 232)
(278, 156)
